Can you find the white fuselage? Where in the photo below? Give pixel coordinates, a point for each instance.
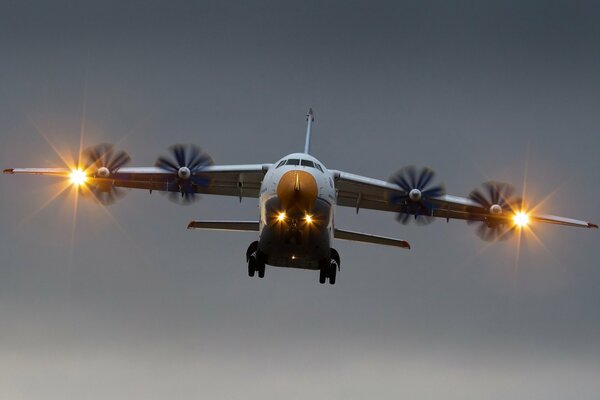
(297, 203)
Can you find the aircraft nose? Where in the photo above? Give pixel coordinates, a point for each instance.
(297, 190)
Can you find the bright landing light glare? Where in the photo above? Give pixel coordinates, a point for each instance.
(281, 217)
(78, 177)
(308, 218)
(521, 219)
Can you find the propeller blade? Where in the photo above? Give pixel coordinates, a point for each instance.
(426, 176)
(435, 191)
(494, 193)
(409, 178)
(104, 156)
(183, 190)
(166, 164)
(120, 160)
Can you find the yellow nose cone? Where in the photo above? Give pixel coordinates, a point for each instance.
(297, 190)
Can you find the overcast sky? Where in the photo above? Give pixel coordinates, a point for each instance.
(129, 304)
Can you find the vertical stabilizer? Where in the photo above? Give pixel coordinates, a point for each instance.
(310, 118)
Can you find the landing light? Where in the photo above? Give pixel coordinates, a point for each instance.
(78, 177)
(281, 217)
(521, 219)
(308, 218)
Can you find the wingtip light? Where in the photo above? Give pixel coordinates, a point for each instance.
(78, 177)
(521, 219)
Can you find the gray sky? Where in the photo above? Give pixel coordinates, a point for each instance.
(134, 305)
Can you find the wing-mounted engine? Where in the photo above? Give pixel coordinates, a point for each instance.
(100, 163)
(185, 165)
(499, 206)
(418, 188)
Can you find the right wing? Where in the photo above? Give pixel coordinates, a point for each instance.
(358, 192)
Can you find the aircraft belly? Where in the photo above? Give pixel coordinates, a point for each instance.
(304, 250)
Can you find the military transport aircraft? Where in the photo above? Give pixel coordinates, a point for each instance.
(297, 199)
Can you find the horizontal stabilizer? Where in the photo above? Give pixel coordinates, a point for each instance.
(367, 238)
(240, 226)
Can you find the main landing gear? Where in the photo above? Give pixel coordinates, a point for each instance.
(255, 261)
(329, 268)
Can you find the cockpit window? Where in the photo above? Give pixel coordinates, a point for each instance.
(304, 163)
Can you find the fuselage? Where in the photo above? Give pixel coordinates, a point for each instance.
(297, 205)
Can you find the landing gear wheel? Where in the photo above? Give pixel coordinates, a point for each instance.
(256, 263)
(323, 271)
(332, 273)
(322, 276)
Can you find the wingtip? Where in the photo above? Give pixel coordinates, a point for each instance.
(406, 245)
(594, 226)
(9, 171)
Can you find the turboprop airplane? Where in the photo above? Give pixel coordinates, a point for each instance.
(297, 200)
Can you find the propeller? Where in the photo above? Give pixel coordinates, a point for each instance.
(496, 198)
(104, 161)
(186, 163)
(418, 188)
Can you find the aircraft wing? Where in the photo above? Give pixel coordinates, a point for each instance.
(358, 192)
(226, 180)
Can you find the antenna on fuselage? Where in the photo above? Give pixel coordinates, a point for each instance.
(310, 118)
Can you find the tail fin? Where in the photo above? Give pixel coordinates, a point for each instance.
(310, 118)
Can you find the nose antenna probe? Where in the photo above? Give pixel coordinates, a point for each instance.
(310, 118)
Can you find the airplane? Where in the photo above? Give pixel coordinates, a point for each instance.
(297, 198)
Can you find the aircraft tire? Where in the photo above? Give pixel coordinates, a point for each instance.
(332, 274)
(251, 267)
(322, 276)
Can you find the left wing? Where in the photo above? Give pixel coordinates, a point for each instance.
(226, 180)
(374, 194)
